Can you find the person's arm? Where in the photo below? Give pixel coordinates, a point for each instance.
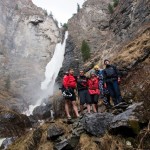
(65, 81)
(104, 78)
(118, 73)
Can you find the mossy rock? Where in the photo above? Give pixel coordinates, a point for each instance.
(134, 124)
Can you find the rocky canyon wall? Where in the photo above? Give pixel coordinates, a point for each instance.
(106, 33)
(28, 37)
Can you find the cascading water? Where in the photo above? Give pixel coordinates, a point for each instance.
(53, 67)
(51, 73)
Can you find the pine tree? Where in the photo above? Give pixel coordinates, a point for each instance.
(85, 49)
(115, 3)
(110, 8)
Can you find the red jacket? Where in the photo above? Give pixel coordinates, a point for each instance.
(69, 81)
(93, 86)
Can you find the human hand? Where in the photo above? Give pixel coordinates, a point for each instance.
(105, 86)
(119, 80)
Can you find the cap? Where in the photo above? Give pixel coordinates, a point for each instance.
(96, 67)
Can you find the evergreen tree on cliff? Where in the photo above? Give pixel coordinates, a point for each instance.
(85, 49)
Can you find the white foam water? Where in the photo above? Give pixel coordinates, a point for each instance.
(53, 67)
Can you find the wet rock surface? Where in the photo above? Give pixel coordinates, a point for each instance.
(6, 143)
(12, 123)
(128, 122)
(97, 124)
(42, 112)
(54, 132)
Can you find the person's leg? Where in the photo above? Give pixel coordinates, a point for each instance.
(87, 100)
(112, 92)
(117, 91)
(75, 108)
(94, 108)
(88, 108)
(67, 108)
(81, 96)
(74, 105)
(96, 97)
(106, 99)
(101, 89)
(92, 102)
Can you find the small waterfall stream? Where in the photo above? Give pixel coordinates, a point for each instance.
(51, 73)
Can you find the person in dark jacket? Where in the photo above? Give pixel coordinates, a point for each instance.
(69, 83)
(82, 86)
(111, 81)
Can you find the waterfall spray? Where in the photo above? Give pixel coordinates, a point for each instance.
(51, 73)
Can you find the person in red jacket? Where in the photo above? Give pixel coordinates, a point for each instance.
(69, 83)
(93, 84)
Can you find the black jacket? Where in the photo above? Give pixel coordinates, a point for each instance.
(82, 83)
(110, 73)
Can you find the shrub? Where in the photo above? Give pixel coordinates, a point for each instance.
(115, 3)
(85, 49)
(110, 8)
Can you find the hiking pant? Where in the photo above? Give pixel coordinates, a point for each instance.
(84, 97)
(114, 90)
(106, 98)
(101, 87)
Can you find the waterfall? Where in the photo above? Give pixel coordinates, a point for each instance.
(53, 67)
(51, 73)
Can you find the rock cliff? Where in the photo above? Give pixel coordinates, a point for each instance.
(106, 33)
(27, 41)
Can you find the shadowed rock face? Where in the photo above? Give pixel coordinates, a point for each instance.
(27, 42)
(12, 123)
(106, 34)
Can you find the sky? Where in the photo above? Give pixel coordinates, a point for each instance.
(62, 10)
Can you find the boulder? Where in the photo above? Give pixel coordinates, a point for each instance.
(97, 123)
(54, 132)
(129, 122)
(12, 123)
(67, 144)
(42, 112)
(7, 142)
(63, 145)
(33, 120)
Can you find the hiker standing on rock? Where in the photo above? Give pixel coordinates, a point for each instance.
(104, 91)
(94, 90)
(69, 83)
(82, 86)
(99, 74)
(111, 81)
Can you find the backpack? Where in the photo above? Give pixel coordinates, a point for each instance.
(110, 72)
